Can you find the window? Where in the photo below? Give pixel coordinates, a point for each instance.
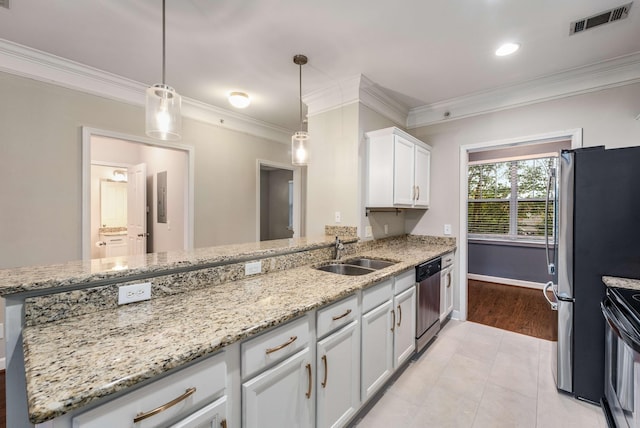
(506, 199)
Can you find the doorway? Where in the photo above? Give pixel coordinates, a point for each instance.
(574, 135)
(277, 201)
(159, 180)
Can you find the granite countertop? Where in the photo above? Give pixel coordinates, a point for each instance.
(612, 281)
(71, 363)
(80, 273)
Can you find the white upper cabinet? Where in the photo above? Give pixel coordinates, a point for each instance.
(398, 168)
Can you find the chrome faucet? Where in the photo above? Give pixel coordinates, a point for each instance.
(339, 246)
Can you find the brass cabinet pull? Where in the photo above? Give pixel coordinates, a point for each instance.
(308, 394)
(284, 345)
(448, 279)
(393, 324)
(143, 416)
(400, 315)
(223, 424)
(336, 318)
(418, 197)
(324, 360)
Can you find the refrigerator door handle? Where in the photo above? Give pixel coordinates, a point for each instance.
(554, 305)
(550, 265)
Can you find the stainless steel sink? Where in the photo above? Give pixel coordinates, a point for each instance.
(344, 269)
(370, 263)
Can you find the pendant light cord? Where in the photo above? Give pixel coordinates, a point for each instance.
(163, 43)
(300, 66)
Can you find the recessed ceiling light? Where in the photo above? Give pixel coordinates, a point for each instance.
(239, 99)
(507, 49)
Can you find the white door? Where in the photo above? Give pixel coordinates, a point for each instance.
(210, 416)
(338, 378)
(422, 167)
(405, 330)
(282, 396)
(403, 191)
(377, 348)
(137, 209)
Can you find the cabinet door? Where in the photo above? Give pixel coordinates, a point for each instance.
(448, 291)
(405, 329)
(443, 294)
(377, 348)
(422, 171)
(403, 163)
(338, 378)
(281, 396)
(211, 416)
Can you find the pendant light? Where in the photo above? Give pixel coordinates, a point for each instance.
(163, 119)
(300, 140)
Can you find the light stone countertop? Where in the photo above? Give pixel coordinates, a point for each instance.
(73, 362)
(612, 281)
(80, 273)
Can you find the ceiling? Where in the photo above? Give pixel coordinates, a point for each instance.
(419, 52)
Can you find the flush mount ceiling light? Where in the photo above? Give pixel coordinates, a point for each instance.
(239, 99)
(163, 118)
(507, 49)
(300, 140)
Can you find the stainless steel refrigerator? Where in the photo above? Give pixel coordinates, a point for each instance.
(597, 232)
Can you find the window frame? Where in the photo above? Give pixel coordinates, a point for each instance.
(513, 200)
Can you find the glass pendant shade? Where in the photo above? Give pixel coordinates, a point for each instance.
(163, 119)
(300, 148)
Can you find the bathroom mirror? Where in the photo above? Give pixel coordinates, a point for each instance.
(113, 203)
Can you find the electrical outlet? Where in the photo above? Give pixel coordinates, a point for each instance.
(386, 229)
(134, 293)
(338, 217)
(253, 268)
(368, 232)
(447, 229)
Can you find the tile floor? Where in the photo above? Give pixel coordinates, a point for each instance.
(478, 376)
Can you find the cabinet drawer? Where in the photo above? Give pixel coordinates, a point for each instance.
(208, 378)
(273, 346)
(447, 260)
(337, 315)
(405, 281)
(376, 295)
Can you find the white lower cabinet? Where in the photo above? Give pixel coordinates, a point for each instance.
(377, 348)
(338, 378)
(281, 396)
(172, 399)
(405, 327)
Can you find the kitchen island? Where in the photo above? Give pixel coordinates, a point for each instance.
(79, 350)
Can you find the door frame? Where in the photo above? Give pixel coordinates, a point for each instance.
(87, 134)
(575, 135)
(297, 195)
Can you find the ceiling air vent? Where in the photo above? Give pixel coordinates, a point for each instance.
(601, 18)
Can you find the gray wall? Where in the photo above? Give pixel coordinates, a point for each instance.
(522, 263)
(41, 181)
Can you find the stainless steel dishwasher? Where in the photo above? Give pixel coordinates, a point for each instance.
(428, 301)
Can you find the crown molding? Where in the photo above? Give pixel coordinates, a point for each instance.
(38, 65)
(355, 89)
(607, 74)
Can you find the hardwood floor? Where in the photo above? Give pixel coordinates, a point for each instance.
(3, 402)
(518, 309)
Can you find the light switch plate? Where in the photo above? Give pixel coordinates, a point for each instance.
(134, 293)
(253, 268)
(368, 232)
(338, 217)
(447, 229)
(386, 229)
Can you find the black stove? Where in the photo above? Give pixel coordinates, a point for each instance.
(628, 301)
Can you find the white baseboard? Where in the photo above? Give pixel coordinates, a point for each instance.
(3, 363)
(506, 281)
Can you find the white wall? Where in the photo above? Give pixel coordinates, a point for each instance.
(41, 179)
(607, 118)
(332, 173)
